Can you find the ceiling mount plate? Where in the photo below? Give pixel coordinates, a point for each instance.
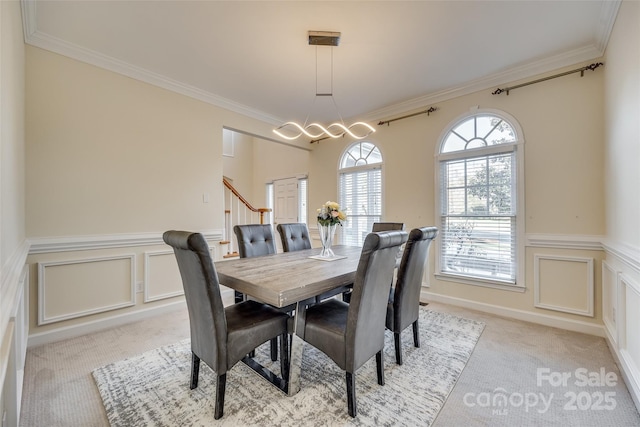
(324, 38)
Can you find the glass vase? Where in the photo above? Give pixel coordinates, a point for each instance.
(327, 232)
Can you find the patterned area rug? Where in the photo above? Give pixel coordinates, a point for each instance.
(152, 389)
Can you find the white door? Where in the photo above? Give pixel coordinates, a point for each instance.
(285, 209)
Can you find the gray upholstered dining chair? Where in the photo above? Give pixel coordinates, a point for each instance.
(403, 308)
(256, 240)
(387, 226)
(220, 336)
(350, 334)
(295, 237)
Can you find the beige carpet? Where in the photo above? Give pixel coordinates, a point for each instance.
(152, 389)
(60, 392)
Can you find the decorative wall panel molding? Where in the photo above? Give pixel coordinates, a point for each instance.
(161, 276)
(558, 279)
(80, 287)
(610, 299)
(79, 243)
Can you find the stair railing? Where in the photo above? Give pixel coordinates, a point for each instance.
(238, 211)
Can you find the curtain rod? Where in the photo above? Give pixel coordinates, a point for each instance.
(427, 111)
(591, 67)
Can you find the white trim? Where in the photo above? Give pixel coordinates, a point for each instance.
(42, 297)
(527, 316)
(479, 282)
(628, 254)
(631, 375)
(100, 324)
(146, 297)
(610, 324)
(565, 241)
(53, 44)
(629, 283)
(40, 245)
(12, 277)
(626, 364)
(588, 311)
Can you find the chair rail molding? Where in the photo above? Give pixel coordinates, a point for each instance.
(630, 255)
(41, 245)
(565, 241)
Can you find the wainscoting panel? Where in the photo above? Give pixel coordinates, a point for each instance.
(79, 287)
(564, 284)
(610, 299)
(161, 276)
(631, 344)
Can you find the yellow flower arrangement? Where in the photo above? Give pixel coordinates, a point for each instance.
(331, 214)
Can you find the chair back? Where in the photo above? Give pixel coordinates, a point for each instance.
(387, 226)
(255, 240)
(202, 293)
(409, 281)
(295, 237)
(367, 308)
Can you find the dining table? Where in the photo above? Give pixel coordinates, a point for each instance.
(291, 281)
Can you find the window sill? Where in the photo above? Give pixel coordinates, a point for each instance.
(479, 282)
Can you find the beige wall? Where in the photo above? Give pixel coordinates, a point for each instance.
(273, 161)
(239, 167)
(111, 163)
(564, 195)
(621, 270)
(12, 219)
(13, 245)
(109, 154)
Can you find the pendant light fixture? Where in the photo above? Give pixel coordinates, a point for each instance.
(293, 130)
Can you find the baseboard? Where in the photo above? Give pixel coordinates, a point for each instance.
(527, 316)
(631, 380)
(98, 325)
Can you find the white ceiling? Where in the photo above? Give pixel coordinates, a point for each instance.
(253, 56)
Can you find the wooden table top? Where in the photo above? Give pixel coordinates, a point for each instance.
(285, 278)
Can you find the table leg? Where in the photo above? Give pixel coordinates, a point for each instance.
(297, 347)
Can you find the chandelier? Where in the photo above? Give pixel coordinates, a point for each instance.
(293, 130)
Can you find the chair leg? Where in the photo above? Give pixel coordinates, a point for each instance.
(284, 356)
(195, 370)
(380, 366)
(221, 381)
(346, 296)
(351, 394)
(398, 346)
(274, 349)
(238, 296)
(416, 334)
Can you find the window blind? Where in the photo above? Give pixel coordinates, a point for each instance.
(361, 197)
(478, 216)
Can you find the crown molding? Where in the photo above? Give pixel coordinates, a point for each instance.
(45, 41)
(48, 42)
(492, 81)
(608, 15)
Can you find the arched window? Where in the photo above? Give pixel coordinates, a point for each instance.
(479, 210)
(360, 192)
